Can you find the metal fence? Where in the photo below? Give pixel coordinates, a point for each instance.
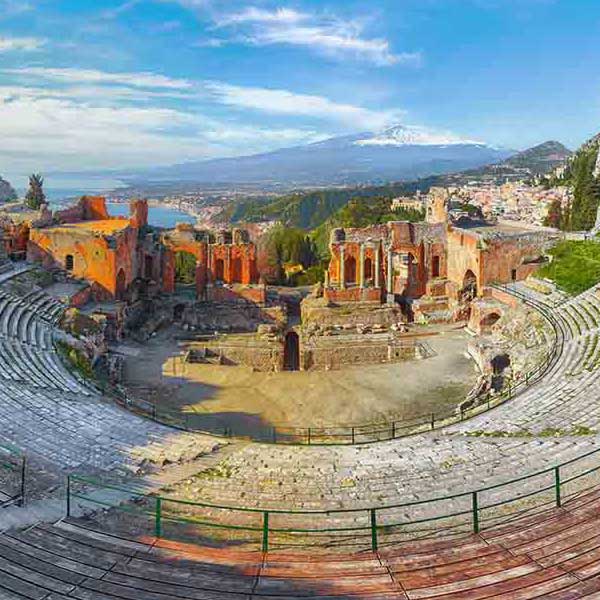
(352, 434)
(575, 482)
(13, 471)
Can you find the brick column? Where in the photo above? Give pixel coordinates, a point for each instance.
(377, 265)
(342, 268)
(361, 267)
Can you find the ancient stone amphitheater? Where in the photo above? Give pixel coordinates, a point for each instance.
(503, 505)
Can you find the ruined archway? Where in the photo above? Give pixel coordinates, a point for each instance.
(148, 267)
(236, 270)
(121, 285)
(469, 289)
(368, 269)
(350, 270)
(291, 353)
(219, 270)
(435, 266)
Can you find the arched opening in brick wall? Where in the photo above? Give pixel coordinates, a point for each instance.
(469, 289)
(368, 269)
(236, 270)
(291, 353)
(435, 266)
(121, 285)
(69, 262)
(219, 270)
(148, 267)
(350, 270)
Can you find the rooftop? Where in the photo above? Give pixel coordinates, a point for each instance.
(106, 226)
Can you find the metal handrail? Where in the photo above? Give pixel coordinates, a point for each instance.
(373, 527)
(18, 464)
(385, 430)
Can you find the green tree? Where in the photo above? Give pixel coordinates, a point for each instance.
(554, 218)
(289, 246)
(185, 268)
(35, 196)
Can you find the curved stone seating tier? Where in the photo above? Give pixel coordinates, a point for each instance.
(72, 432)
(551, 422)
(26, 349)
(553, 555)
(21, 363)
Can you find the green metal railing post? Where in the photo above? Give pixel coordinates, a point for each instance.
(373, 530)
(557, 486)
(308, 436)
(265, 538)
(393, 430)
(274, 435)
(475, 509)
(353, 436)
(432, 421)
(68, 495)
(23, 478)
(158, 517)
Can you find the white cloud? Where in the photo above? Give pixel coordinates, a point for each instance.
(141, 80)
(322, 33)
(258, 15)
(27, 44)
(284, 102)
(42, 130)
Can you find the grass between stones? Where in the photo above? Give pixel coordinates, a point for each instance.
(575, 266)
(576, 430)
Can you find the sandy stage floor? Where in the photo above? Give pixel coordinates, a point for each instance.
(238, 397)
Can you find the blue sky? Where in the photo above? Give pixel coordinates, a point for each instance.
(90, 84)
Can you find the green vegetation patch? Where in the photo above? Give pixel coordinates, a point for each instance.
(76, 359)
(575, 267)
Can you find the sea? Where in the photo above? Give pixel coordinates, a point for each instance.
(62, 192)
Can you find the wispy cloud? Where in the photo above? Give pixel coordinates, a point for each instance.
(113, 13)
(252, 14)
(317, 32)
(42, 130)
(25, 44)
(68, 75)
(284, 102)
(9, 8)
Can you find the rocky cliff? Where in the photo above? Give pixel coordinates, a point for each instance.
(7, 192)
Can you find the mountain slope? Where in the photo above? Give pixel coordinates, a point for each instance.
(310, 209)
(398, 153)
(540, 159)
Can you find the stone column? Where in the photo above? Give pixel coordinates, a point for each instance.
(209, 265)
(377, 266)
(390, 278)
(342, 268)
(361, 267)
(326, 282)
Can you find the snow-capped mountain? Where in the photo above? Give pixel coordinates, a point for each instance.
(394, 154)
(404, 135)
